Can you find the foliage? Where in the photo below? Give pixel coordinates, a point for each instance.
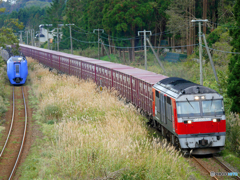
(7, 37)
(233, 133)
(55, 13)
(21, 4)
(3, 90)
(234, 65)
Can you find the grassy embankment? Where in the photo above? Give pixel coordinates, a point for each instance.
(89, 134)
(3, 94)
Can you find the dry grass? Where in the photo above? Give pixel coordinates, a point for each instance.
(95, 134)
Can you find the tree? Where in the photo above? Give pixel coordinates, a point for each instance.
(126, 18)
(180, 15)
(7, 36)
(55, 12)
(233, 90)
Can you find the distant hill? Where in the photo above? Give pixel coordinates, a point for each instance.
(16, 6)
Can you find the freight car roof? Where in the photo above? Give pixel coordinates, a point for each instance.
(182, 86)
(152, 79)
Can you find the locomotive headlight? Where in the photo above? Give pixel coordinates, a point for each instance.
(189, 122)
(196, 98)
(214, 120)
(202, 97)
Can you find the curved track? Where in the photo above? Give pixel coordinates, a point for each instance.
(13, 146)
(215, 162)
(224, 166)
(202, 165)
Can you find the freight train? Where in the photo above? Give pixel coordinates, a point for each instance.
(191, 116)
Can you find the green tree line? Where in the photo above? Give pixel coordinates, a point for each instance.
(121, 20)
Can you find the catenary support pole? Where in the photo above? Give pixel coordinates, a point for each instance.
(200, 52)
(57, 39)
(156, 55)
(145, 45)
(70, 29)
(21, 36)
(27, 36)
(47, 39)
(200, 46)
(70, 33)
(98, 40)
(105, 49)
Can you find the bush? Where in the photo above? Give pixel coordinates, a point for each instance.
(3, 107)
(52, 112)
(233, 133)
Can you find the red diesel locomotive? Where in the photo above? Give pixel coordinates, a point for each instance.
(190, 115)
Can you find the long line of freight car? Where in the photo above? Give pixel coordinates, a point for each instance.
(132, 83)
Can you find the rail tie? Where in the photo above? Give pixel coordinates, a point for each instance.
(225, 167)
(9, 133)
(195, 159)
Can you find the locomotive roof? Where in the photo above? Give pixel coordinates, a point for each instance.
(182, 86)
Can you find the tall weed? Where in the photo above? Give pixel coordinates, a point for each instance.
(233, 133)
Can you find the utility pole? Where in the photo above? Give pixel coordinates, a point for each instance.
(200, 45)
(57, 39)
(98, 39)
(105, 49)
(32, 36)
(145, 45)
(27, 36)
(47, 39)
(21, 36)
(70, 29)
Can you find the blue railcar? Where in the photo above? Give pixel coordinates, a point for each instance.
(17, 70)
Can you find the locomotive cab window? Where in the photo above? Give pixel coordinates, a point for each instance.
(212, 107)
(189, 108)
(17, 59)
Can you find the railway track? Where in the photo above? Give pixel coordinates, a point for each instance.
(13, 146)
(212, 173)
(224, 166)
(204, 167)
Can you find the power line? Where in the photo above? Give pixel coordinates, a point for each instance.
(85, 41)
(64, 39)
(223, 51)
(237, 27)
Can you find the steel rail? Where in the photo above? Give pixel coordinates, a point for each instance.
(204, 167)
(23, 139)
(10, 130)
(225, 167)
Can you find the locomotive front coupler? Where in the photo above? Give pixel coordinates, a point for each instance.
(203, 143)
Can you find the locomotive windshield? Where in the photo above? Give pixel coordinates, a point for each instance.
(17, 59)
(196, 108)
(191, 108)
(212, 107)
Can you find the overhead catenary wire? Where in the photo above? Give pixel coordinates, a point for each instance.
(130, 38)
(223, 51)
(85, 41)
(155, 47)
